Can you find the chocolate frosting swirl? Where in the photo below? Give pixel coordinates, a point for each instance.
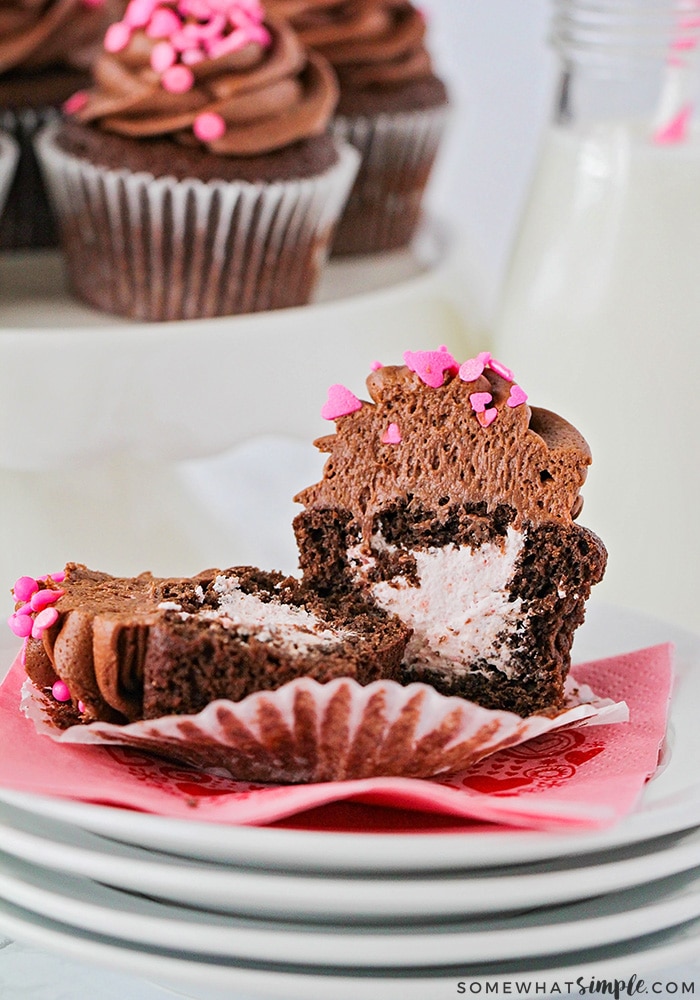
(266, 96)
(38, 34)
(370, 43)
(528, 458)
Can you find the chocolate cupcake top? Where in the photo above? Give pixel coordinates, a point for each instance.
(375, 45)
(438, 433)
(213, 73)
(42, 34)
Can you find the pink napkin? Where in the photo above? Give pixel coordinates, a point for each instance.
(588, 777)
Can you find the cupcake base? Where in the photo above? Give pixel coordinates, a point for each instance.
(398, 150)
(176, 247)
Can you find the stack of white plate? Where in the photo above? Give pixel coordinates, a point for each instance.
(216, 911)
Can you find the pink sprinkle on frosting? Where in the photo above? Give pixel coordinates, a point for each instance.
(117, 37)
(340, 403)
(163, 55)
(24, 588)
(487, 417)
(45, 619)
(480, 400)
(376, 365)
(177, 79)
(392, 435)
(209, 126)
(517, 396)
(431, 366)
(60, 691)
(20, 624)
(500, 369)
(471, 370)
(76, 102)
(163, 23)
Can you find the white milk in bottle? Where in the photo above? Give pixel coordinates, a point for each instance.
(600, 313)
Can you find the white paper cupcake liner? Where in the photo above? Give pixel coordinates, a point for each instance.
(165, 249)
(309, 732)
(9, 154)
(397, 154)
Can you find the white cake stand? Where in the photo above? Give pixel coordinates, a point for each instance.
(97, 414)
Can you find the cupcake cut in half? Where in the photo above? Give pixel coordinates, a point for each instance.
(196, 177)
(127, 649)
(392, 108)
(451, 503)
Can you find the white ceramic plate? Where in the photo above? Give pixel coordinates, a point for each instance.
(87, 905)
(364, 899)
(212, 978)
(670, 802)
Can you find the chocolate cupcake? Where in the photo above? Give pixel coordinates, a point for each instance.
(392, 108)
(197, 177)
(9, 152)
(46, 47)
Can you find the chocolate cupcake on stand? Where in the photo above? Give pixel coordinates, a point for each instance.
(46, 49)
(103, 416)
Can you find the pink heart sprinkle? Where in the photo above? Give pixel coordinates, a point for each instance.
(517, 396)
(487, 417)
(340, 403)
(500, 369)
(376, 365)
(471, 370)
(392, 435)
(430, 366)
(480, 401)
(24, 588)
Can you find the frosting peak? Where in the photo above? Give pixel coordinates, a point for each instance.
(36, 34)
(209, 71)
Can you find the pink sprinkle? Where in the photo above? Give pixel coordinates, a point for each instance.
(81, 706)
(177, 79)
(676, 130)
(209, 126)
(480, 401)
(45, 619)
(392, 435)
(471, 370)
(21, 625)
(26, 609)
(43, 598)
(484, 356)
(117, 37)
(500, 369)
(430, 366)
(138, 13)
(163, 24)
(76, 102)
(224, 46)
(487, 417)
(191, 56)
(24, 588)
(59, 577)
(340, 403)
(60, 691)
(517, 396)
(163, 55)
(376, 365)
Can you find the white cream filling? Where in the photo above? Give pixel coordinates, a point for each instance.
(461, 610)
(270, 621)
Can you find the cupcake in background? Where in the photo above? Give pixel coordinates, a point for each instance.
(197, 177)
(46, 47)
(392, 108)
(9, 152)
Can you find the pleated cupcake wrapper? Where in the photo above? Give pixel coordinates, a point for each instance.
(310, 732)
(397, 154)
(9, 153)
(165, 249)
(26, 219)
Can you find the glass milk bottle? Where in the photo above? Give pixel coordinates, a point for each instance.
(600, 310)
